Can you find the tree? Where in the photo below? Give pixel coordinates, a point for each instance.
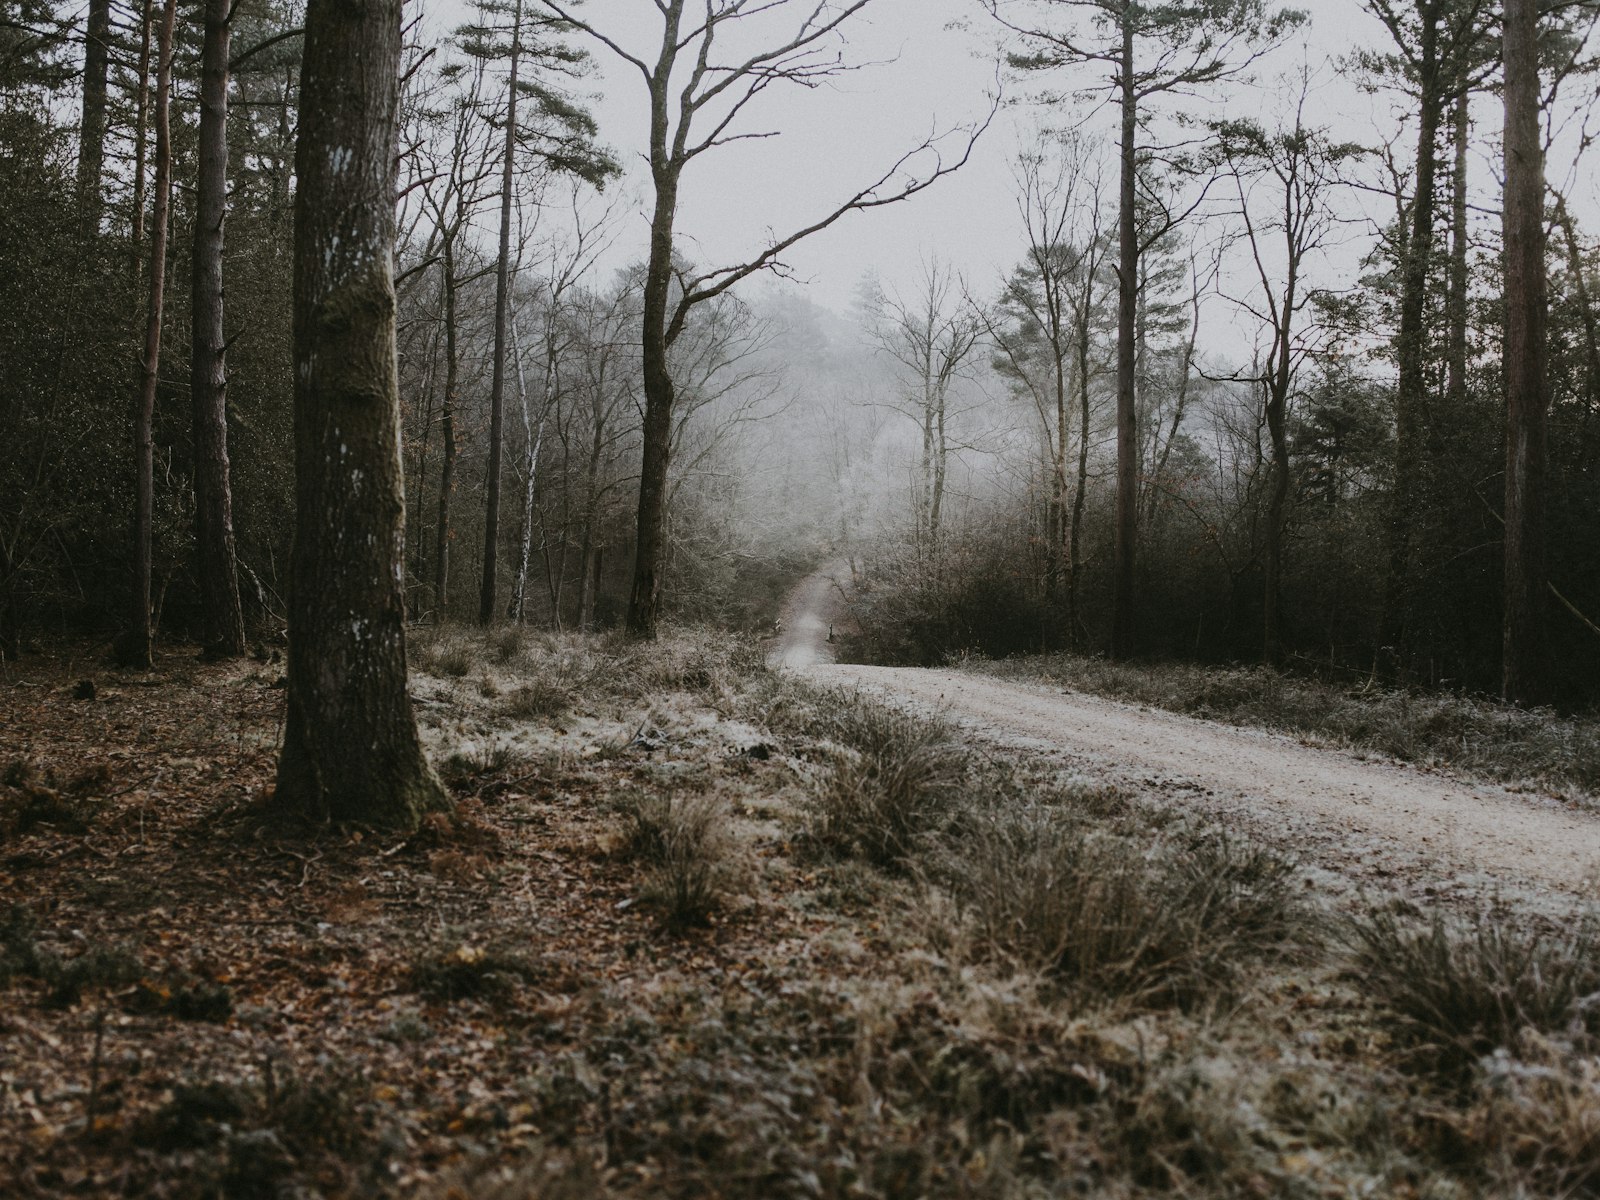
(223, 635)
(133, 648)
(562, 141)
(351, 750)
(1523, 667)
(696, 101)
(1438, 44)
(1149, 49)
(931, 337)
(1283, 179)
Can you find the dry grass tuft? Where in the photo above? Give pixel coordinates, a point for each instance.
(683, 842)
(1121, 913)
(1459, 992)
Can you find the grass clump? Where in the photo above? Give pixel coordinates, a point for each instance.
(1460, 992)
(683, 842)
(1120, 913)
(892, 784)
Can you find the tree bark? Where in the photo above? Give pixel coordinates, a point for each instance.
(502, 305)
(133, 648)
(208, 379)
(351, 750)
(1123, 624)
(1524, 678)
(92, 128)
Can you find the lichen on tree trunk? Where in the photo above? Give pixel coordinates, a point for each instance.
(351, 750)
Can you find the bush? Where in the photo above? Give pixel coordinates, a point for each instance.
(684, 844)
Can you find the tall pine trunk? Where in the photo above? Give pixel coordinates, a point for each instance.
(1411, 346)
(92, 127)
(133, 648)
(208, 378)
(351, 750)
(1524, 678)
(502, 306)
(1123, 624)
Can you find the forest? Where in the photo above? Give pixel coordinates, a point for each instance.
(530, 665)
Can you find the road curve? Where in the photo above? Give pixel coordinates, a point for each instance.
(1384, 822)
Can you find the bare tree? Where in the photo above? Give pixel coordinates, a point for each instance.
(696, 102)
(1149, 49)
(208, 374)
(1283, 181)
(931, 336)
(350, 750)
(1051, 305)
(133, 648)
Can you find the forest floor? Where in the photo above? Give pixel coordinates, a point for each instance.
(699, 927)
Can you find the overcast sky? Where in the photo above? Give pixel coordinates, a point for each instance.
(937, 66)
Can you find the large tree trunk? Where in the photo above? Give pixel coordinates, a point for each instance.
(447, 430)
(1123, 627)
(350, 750)
(208, 378)
(644, 599)
(1411, 346)
(1525, 669)
(502, 307)
(659, 394)
(92, 128)
(133, 648)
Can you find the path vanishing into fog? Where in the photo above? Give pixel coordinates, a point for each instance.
(1351, 820)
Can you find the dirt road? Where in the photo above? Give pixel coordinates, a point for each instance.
(1352, 822)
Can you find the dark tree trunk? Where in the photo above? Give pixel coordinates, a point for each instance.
(208, 379)
(644, 600)
(502, 306)
(1123, 622)
(1411, 347)
(92, 128)
(447, 430)
(1525, 668)
(351, 750)
(133, 648)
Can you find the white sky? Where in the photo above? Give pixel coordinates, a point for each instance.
(934, 74)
